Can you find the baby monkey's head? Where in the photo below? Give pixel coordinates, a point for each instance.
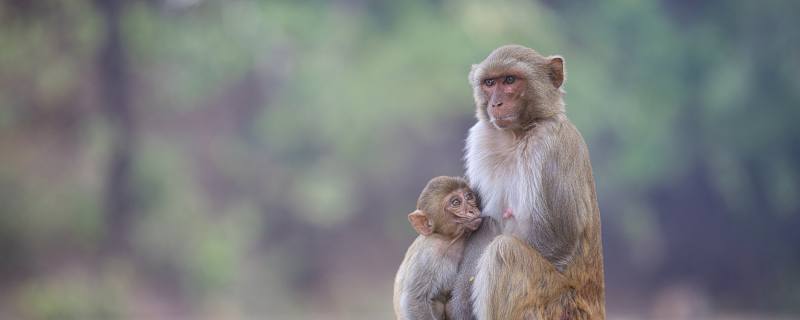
(448, 207)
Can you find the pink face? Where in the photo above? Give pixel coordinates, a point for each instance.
(463, 208)
(504, 95)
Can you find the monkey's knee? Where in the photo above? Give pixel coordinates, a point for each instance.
(509, 252)
(504, 257)
(514, 281)
(503, 278)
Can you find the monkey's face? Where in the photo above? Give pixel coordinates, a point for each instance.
(446, 207)
(504, 96)
(461, 212)
(515, 85)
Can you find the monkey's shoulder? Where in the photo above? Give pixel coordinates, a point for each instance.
(558, 139)
(435, 248)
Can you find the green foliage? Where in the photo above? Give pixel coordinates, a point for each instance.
(75, 294)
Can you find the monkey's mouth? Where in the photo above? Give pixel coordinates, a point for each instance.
(505, 121)
(474, 224)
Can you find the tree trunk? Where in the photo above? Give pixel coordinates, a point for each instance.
(118, 199)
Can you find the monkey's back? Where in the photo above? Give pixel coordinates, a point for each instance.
(586, 273)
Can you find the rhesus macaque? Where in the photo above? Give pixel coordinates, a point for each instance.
(447, 211)
(538, 254)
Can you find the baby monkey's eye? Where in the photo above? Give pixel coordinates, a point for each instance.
(488, 82)
(468, 196)
(455, 202)
(509, 79)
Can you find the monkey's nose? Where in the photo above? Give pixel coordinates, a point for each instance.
(497, 104)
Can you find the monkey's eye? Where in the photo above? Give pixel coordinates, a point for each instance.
(468, 196)
(509, 79)
(488, 82)
(455, 202)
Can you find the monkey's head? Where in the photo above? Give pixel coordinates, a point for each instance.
(514, 86)
(447, 206)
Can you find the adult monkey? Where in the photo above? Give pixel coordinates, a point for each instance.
(539, 254)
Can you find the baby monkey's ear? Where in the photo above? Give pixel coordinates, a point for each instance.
(419, 220)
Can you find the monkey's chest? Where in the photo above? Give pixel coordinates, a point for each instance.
(511, 195)
(506, 172)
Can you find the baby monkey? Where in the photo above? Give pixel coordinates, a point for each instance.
(447, 212)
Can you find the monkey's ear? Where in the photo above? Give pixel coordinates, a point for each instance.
(419, 220)
(556, 70)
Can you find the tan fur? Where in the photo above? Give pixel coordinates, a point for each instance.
(546, 262)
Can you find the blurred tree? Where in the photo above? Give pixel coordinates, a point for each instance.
(212, 159)
(113, 65)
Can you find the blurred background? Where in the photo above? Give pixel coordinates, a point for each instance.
(189, 159)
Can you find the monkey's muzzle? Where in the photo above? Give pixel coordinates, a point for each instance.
(474, 224)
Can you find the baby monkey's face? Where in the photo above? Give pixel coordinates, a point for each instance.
(446, 207)
(461, 208)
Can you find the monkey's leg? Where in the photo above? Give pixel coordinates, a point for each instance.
(514, 281)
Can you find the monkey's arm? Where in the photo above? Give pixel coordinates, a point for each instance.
(416, 300)
(418, 307)
(564, 182)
